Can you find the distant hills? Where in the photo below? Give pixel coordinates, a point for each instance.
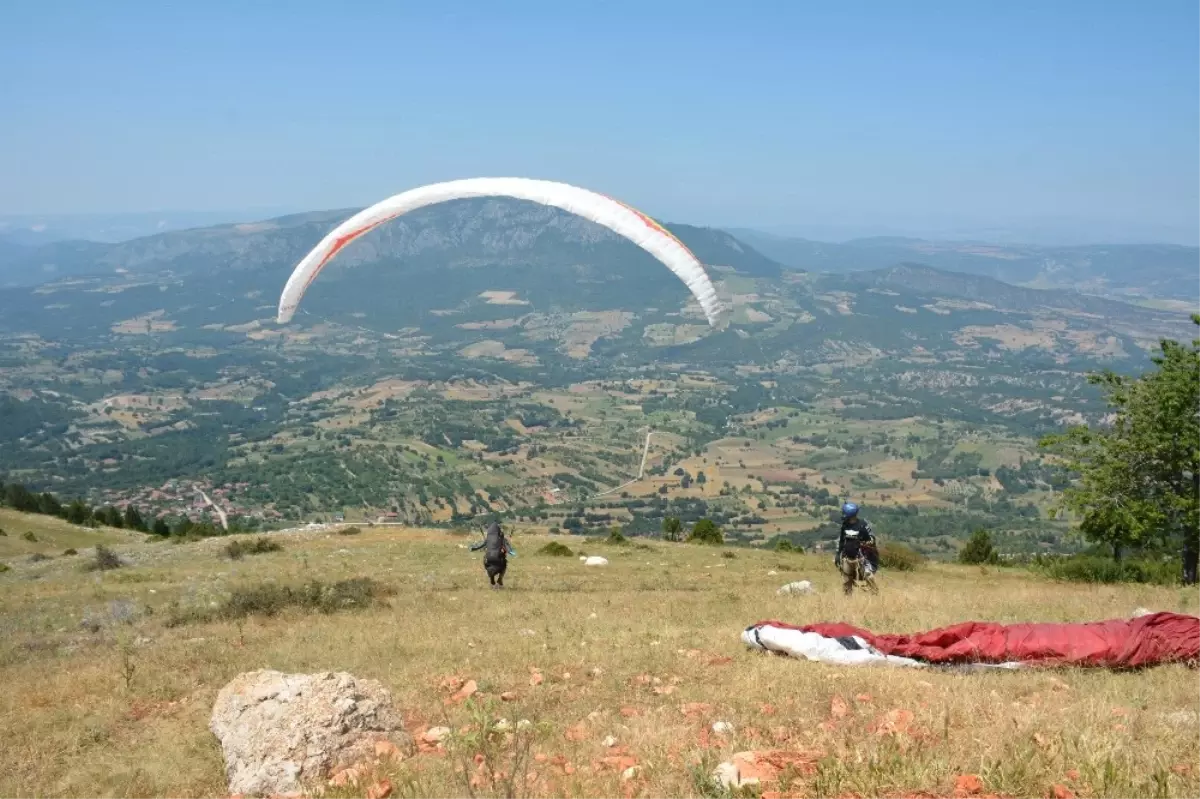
(1135, 270)
(465, 232)
(436, 270)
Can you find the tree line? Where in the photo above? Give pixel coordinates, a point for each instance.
(20, 498)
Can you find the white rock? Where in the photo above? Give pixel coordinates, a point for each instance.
(629, 773)
(435, 735)
(727, 775)
(609, 742)
(722, 728)
(595, 560)
(524, 724)
(798, 588)
(1182, 718)
(1137, 614)
(772, 573)
(503, 725)
(280, 731)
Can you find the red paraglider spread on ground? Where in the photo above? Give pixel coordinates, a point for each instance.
(1118, 643)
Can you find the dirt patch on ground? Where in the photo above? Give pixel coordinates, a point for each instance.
(497, 350)
(1010, 337)
(144, 325)
(502, 298)
(495, 324)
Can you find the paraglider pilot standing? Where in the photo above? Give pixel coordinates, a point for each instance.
(495, 557)
(855, 539)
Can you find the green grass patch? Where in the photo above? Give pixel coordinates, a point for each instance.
(269, 599)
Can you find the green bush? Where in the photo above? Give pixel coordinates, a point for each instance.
(706, 531)
(785, 545)
(555, 549)
(3, 568)
(1097, 569)
(979, 550)
(899, 557)
(237, 549)
(351, 530)
(729, 555)
(38, 557)
(68, 552)
(29, 536)
(616, 537)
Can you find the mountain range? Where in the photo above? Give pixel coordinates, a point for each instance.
(474, 229)
(1124, 270)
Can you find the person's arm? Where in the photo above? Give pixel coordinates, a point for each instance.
(869, 530)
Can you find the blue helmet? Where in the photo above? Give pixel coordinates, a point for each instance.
(849, 510)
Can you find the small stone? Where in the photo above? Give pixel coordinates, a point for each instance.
(629, 773)
(722, 728)
(435, 735)
(609, 742)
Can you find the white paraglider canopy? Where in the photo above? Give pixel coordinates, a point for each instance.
(612, 214)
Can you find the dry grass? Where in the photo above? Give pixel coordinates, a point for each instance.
(124, 710)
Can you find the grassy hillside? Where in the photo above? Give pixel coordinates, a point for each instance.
(52, 536)
(119, 704)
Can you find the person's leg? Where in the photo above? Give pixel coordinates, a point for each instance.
(849, 571)
(500, 575)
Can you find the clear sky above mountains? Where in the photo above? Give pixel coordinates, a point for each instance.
(1079, 119)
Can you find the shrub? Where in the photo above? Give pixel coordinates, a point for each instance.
(728, 555)
(268, 599)
(104, 560)
(978, 550)
(556, 549)
(351, 530)
(1097, 569)
(236, 550)
(38, 557)
(672, 528)
(615, 536)
(706, 531)
(29, 536)
(3, 568)
(69, 552)
(2, 533)
(899, 557)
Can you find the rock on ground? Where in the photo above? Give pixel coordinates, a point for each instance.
(280, 731)
(596, 560)
(800, 587)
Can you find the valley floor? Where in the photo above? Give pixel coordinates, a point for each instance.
(103, 698)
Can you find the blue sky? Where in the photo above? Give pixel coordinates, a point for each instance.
(1076, 117)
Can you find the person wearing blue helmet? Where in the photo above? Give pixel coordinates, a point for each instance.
(855, 539)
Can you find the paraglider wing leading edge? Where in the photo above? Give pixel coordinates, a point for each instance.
(612, 214)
